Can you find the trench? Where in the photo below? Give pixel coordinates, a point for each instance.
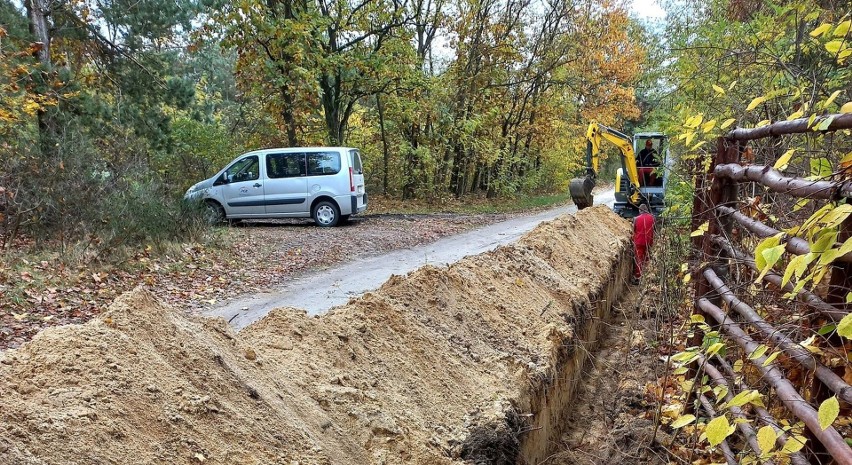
(552, 404)
(531, 438)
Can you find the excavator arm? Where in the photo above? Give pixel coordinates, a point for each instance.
(581, 188)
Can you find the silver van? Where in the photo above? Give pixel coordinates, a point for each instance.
(323, 183)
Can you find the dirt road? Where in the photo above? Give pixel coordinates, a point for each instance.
(317, 292)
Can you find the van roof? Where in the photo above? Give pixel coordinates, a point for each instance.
(299, 149)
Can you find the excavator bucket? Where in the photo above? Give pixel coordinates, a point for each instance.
(581, 192)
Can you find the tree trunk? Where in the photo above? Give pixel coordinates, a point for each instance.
(331, 107)
(37, 11)
(289, 117)
(385, 154)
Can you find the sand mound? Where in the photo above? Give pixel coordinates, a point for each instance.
(457, 363)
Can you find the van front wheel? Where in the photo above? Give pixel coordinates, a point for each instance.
(213, 213)
(326, 214)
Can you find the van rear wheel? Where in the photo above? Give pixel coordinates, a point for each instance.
(326, 214)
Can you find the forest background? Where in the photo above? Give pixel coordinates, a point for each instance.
(111, 109)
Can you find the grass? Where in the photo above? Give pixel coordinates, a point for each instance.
(468, 205)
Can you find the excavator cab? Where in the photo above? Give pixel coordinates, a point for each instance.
(641, 178)
(651, 155)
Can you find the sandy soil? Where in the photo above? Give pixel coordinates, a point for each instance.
(435, 367)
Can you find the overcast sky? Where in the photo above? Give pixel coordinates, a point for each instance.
(648, 9)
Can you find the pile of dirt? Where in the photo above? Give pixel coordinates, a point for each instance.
(442, 365)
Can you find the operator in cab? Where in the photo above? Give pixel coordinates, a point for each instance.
(647, 162)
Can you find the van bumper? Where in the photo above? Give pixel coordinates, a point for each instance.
(356, 208)
(351, 204)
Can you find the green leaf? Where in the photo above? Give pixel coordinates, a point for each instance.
(771, 358)
(828, 411)
(718, 89)
(696, 146)
(718, 429)
(828, 256)
(743, 398)
(844, 327)
(825, 239)
(800, 204)
(794, 443)
(766, 438)
(720, 392)
(773, 241)
(811, 120)
(820, 30)
(836, 216)
(682, 421)
(758, 352)
(770, 258)
(795, 115)
(820, 167)
(773, 254)
(694, 121)
(824, 124)
(727, 123)
(834, 46)
(827, 329)
(842, 28)
(846, 247)
(831, 99)
(796, 267)
(783, 160)
(684, 357)
(755, 102)
(701, 230)
(715, 348)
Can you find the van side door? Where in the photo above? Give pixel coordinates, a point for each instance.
(286, 184)
(242, 189)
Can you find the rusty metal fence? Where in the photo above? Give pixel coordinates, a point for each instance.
(762, 317)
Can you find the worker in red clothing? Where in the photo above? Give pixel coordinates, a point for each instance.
(643, 239)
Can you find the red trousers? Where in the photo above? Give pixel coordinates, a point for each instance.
(640, 259)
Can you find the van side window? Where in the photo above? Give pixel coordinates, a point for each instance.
(355, 162)
(246, 169)
(285, 165)
(320, 163)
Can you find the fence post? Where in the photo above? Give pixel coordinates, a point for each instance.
(722, 192)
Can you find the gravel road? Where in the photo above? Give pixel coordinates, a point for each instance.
(318, 291)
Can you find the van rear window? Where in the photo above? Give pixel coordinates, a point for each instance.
(321, 163)
(355, 162)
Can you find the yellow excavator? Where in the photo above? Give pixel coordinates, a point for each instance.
(641, 178)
